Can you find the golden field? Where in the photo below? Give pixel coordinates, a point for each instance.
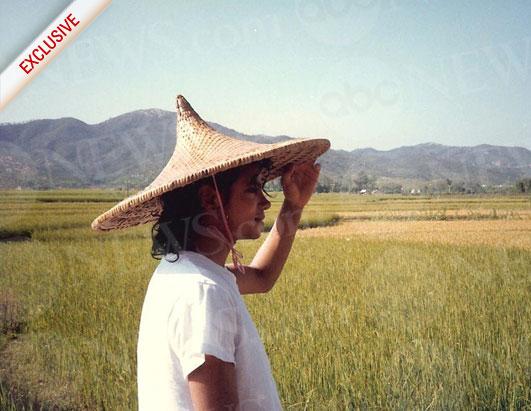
(386, 302)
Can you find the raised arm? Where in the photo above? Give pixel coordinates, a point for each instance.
(298, 184)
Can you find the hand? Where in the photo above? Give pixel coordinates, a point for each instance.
(298, 183)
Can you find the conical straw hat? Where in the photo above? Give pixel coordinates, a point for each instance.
(201, 151)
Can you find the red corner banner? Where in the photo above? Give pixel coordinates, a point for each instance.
(64, 29)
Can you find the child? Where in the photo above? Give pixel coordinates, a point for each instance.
(198, 348)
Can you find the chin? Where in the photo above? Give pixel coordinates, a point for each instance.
(258, 234)
(254, 233)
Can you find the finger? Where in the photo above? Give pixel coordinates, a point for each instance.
(311, 168)
(288, 168)
(310, 176)
(307, 169)
(288, 173)
(304, 167)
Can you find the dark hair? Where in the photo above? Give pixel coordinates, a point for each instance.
(171, 232)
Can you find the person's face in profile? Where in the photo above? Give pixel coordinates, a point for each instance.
(247, 204)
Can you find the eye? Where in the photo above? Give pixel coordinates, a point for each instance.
(262, 176)
(254, 188)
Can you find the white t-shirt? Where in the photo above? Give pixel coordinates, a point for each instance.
(193, 307)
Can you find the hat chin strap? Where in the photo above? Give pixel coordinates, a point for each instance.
(236, 255)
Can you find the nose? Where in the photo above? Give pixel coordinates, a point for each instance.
(265, 202)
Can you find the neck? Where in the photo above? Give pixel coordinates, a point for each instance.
(215, 247)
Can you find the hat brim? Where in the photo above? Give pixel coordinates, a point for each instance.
(146, 205)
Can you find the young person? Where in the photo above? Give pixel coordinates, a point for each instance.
(198, 347)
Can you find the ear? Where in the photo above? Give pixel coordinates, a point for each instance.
(207, 197)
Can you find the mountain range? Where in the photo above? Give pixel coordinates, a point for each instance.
(132, 148)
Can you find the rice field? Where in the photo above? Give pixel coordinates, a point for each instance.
(386, 302)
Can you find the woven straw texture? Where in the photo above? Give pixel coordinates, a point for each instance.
(201, 151)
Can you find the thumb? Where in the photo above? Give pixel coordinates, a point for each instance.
(287, 174)
(288, 170)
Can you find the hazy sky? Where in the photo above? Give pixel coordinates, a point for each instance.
(363, 73)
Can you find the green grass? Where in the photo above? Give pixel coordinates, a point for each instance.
(400, 326)
(350, 324)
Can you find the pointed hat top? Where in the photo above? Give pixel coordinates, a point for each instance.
(200, 151)
(186, 112)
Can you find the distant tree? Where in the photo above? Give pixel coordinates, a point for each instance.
(364, 182)
(472, 187)
(438, 187)
(338, 185)
(458, 187)
(524, 185)
(449, 185)
(390, 188)
(324, 184)
(322, 188)
(273, 185)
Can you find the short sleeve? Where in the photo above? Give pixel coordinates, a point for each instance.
(203, 322)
